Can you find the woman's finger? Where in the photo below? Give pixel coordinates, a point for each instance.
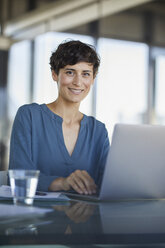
(88, 182)
(76, 183)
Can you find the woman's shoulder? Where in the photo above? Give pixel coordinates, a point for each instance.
(95, 124)
(27, 110)
(29, 107)
(93, 121)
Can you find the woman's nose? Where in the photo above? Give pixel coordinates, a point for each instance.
(77, 80)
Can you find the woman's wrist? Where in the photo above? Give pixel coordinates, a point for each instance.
(59, 184)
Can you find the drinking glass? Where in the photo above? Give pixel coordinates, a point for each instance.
(23, 186)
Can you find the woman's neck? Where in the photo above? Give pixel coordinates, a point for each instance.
(68, 111)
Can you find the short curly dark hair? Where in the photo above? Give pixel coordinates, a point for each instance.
(72, 52)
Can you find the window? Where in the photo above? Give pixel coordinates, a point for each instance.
(19, 77)
(160, 89)
(122, 87)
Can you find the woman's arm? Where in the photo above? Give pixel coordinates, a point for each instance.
(21, 156)
(104, 149)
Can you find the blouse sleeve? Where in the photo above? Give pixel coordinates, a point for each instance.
(103, 157)
(21, 148)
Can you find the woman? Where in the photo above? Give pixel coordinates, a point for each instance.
(68, 147)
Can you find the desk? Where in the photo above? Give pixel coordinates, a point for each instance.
(78, 223)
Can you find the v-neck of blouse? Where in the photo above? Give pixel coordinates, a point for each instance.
(59, 121)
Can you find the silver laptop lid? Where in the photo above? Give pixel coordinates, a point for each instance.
(135, 166)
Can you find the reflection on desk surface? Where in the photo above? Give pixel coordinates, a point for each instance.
(66, 218)
(133, 217)
(80, 217)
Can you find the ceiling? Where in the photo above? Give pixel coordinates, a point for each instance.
(127, 19)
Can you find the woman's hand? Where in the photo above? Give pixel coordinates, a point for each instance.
(78, 212)
(78, 180)
(81, 182)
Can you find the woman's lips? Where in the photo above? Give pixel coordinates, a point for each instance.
(75, 91)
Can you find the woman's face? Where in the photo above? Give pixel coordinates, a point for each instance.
(74, 81)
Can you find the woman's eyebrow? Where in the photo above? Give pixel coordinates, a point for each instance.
(71, 69)
(87, 70)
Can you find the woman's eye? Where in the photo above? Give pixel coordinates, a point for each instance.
(69, 72)
(86, 74)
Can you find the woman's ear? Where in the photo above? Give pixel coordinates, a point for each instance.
(54, 76)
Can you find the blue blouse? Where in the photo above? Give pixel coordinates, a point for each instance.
(37, 142)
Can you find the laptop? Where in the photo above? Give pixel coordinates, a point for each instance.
(135, 166)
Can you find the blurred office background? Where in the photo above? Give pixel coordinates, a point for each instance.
(129, 36)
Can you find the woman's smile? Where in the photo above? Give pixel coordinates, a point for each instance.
(76, 91)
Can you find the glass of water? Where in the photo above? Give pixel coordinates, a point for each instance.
(23, 185)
